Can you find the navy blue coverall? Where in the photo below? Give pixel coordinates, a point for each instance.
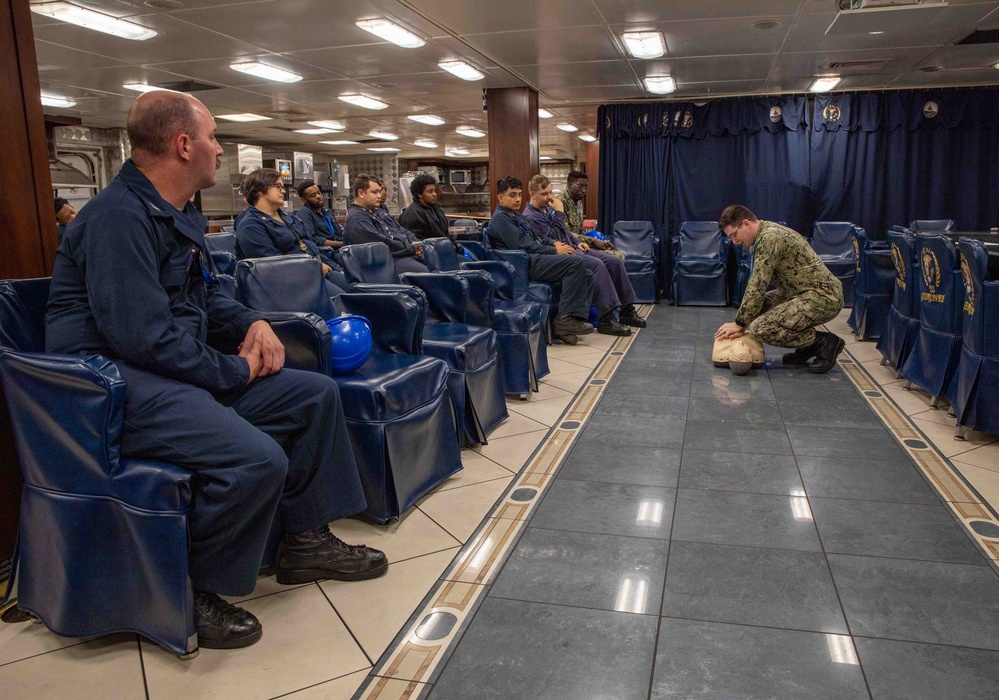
(321, 225)
(509, 230)
(132, 281)
(362, 226)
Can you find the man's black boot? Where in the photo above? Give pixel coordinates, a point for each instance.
(221, 625)
(629, 317)
(802, 355)
(609, 326)
(828, 346)
(566, 325)
(317, 554)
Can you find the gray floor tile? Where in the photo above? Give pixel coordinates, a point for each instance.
(909, 671)
(848, 411)
(865, 479)
(657, 379)
(766, 587)
(644, 466)
(850, 443)
(609, 509)
(919, 601)
(641, 405)
(628, 431)
(667, 351)
(759, 413)
(734, 471)
(606, 572)
(515, 650)
(900, 530)
(713, 661)
(736, 390)
(753, 520)
(736, 437)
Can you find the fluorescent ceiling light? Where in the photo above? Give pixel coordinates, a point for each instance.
(430, 119)
(326, 124)
(383, 135)
(546, 157)
(660, 85)
(456, 151)
(245, 117)
(316, 132)
(825, 83)
(566, 126)
(50, 100)
(98, 21)
(363, 101)
(544, 114)
(425, 143)
(470, 131)
(389, 31)
(589, 138)
(339, 143)
(143, 87)
(265, 71)
(463, 70)
(645, 44)
(996, 66)
(384, 149)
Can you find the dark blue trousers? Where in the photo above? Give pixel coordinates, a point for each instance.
(277, 447)
(611, 286)
(571, 272)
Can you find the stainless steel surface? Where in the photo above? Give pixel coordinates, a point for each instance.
(223, 201)
(65, 175)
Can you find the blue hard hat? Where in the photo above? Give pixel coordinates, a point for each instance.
(467, 254)
(596, 234)
(594, 319)
(351, 341)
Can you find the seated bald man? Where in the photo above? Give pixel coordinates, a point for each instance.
(133, 281)
(807, 293)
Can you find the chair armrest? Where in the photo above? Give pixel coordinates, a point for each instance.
(521, 263)
(306, 341)
(502, 274)
(447, 294)
(481, 293)
(396, 317)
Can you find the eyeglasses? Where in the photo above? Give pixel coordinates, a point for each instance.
(279, 185)
(737, 229)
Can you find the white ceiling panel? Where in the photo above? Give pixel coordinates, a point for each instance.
(976, 76)
(708, 68)
(374, 60)
(562, 75)
(52, 57)
(723, 87)
(716, 37)
(110, 79)
(654, 11)
(601, 93)
(808, 65)
(533, 47)
(969, 56)
(218, 72)
(470, 17)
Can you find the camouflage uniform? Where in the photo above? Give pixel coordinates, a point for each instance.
(807, 293)
(574, 224)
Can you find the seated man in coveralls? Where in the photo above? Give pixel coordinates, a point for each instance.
(133, 282)
(366, 224)
(318, 219)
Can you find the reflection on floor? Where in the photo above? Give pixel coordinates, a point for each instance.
(701, 536)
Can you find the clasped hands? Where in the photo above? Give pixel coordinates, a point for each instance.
(262, 350)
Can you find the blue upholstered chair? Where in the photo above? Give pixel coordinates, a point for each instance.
(524, 289)
(640, 245)
(475, 382)
(228, 229)
(399, 413)
(833, 242)
(475, 248)
(222, 247)
(523, 353)
(700, 256)
(976, 401)
(743, 258)
(932, 364)
(898, 334)
(931, 225)
(873, 285)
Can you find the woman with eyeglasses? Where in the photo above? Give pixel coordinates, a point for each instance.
(265, 230)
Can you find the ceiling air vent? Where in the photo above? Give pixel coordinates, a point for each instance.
(188, 86)
(292, 115)
(858, 67)
(983, 36)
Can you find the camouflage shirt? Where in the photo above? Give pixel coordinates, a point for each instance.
(573, 214)
(783, 258)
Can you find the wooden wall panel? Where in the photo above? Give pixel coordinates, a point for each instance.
(514, 145)
(593, 175)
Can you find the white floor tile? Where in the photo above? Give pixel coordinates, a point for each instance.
(985, 481)
(943, 437)
(338, 689)
(587, 359)
(460, 511)
(475, 469)
(571, 381)
(545, 412)
(512, 452)
(516, 424)
(865, 351)
(23, 639)
(413, 535)
(986, 457)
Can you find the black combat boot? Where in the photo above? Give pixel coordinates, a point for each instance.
(629, 317)
(608, 325)
(566, 328)
(318, 554)
(221, 625)
(801, 355)
(828, 346)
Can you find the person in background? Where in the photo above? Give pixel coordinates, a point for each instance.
(577, 185)
(423, 216)
(318, 219)
(367, 222)
(64, 213)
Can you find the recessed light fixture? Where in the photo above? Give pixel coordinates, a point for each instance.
(383, 135)
(266, 71)
(660, 85)
(50, 100)
(89, 19)
(470, 131)
(392, 32)
(384, 149)
(425, 143)
(566, 126)
(589, 138)
(824, 83)
(339, 143)
(544, 114)
(765, 24)
(431, 119)
(456, 152)
(463, 70)
(143, 87)
(875, 33)
(245, 117)
(327, 124)
(316, 132)
(996, 66)
(545, 158)
(645, 44)
(363, 101)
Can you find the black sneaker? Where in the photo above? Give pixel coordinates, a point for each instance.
(630, 317)
(800, 356)
(609, 326)
(317, 554)
(570, 325)
(223, 626)
(827, 349)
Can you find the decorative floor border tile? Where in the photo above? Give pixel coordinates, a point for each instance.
(417, 653)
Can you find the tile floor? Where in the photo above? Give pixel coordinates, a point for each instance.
(707, 536)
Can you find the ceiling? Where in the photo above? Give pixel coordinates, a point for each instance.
(570, 51)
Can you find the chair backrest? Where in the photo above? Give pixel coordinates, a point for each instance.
(941, 292)
(469, 223)
(475, 248)
(635, 238)
(903, 257)
(832, 238)
(228, 229)
(861, 243)
(368, 262)
(283, 283)
(22, 314)
(225, 241)
(396, 319)
(439, 255)
(702, 239)
(925, 225)
(974, 274)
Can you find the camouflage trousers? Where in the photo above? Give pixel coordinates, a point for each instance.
(791, 323)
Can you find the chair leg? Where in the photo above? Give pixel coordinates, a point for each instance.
(950, 413)
(908, 384)
(884, 361)
(962, 433)
(937, 402)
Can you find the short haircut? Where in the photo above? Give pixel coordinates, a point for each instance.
(304, 185)
(60, 203)
(258, 182)
(576, 175)
(538, 183)
(362, 182)
(152, 126)
(420, 183)
(735, 214)
(508, 183)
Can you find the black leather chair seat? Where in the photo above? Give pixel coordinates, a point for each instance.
(515, 316)
(460, 345)
(389, 386)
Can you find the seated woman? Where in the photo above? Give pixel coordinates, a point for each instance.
(265, 230)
